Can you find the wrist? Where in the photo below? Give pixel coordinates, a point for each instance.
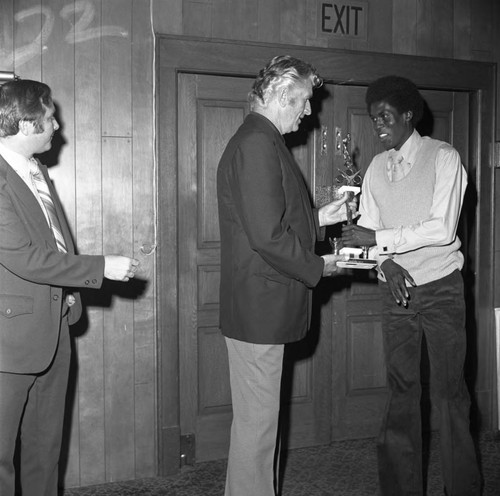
(321, 217)
(386, 259)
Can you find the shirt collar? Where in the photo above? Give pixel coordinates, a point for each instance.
(409, 149)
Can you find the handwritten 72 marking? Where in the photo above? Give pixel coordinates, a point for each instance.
(80, 31)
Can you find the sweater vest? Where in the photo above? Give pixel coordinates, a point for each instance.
(407, 203)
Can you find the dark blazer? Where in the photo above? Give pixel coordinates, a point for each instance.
(33, 276)
(268, 232)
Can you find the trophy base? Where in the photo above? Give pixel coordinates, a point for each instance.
(357, 263)
(353, 256)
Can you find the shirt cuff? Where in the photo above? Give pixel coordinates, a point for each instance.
(320, 230)
(385, 241)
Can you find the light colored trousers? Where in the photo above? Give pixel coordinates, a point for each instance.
(255, 377)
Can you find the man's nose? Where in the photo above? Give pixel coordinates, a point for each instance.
(307, 110)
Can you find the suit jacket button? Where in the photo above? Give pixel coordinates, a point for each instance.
(94, 281)
(87, 282)
(55, 297)
(8, 311)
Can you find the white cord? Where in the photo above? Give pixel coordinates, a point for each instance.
(149, 250)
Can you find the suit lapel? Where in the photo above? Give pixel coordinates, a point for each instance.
(30, 204)
(23, 194)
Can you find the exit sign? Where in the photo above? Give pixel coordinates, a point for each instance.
(343, 19)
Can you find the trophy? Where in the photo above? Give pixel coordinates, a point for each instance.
(349, 180)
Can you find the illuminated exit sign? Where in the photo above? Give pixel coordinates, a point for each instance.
(347, 19)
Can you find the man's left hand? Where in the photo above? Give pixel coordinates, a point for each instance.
(396, 277)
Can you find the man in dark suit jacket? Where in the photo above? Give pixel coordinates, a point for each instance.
(38, 297)
(268, 265)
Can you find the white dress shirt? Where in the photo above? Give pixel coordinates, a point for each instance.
(21, 166)
(440, 226)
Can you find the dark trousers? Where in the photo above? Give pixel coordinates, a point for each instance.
(436, 309)
(33, 405)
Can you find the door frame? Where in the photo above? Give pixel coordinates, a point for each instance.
(176, 54)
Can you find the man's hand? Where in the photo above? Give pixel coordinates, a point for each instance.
(334, 212)
(330, 268)
(119, 268)
(396, 276)
(354, 235)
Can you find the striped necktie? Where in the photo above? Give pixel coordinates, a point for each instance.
(43, 191)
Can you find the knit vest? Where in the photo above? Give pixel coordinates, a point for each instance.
(407, 203)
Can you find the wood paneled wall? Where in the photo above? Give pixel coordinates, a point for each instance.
(98, 57)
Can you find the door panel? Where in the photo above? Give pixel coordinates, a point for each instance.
(209, 112)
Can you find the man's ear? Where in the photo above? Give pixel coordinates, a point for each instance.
(283, 96)
(409, 115)
(25, 127)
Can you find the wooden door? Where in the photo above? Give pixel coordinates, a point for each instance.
(210, 108)
(359, 384)
(355, 374)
